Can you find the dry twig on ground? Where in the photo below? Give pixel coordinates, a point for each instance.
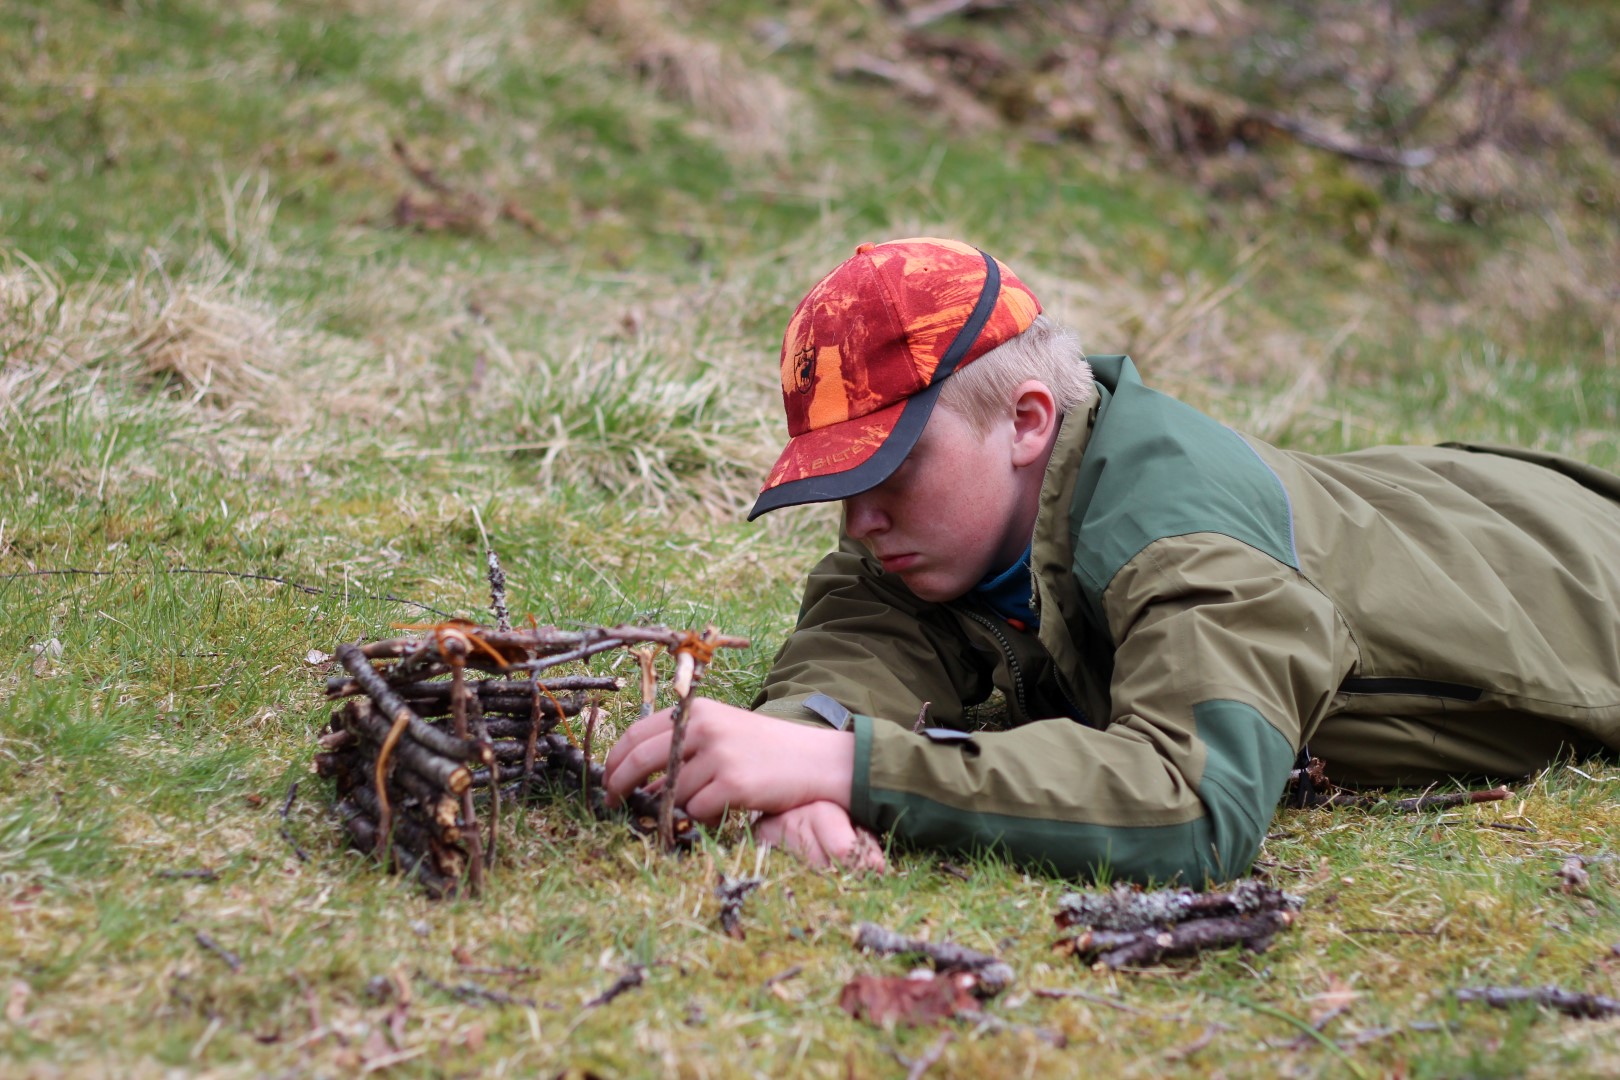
(1310, 788)
(991, 974)
(1568, 1002)
(731, 892)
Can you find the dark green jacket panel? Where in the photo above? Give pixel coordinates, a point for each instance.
(1244, 775)
(1246, 762)
(1157, 468)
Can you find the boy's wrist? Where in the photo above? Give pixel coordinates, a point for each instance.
(833, 772)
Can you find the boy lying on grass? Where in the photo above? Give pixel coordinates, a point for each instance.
(1172, 610)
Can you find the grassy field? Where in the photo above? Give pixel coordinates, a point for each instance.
(288, 291)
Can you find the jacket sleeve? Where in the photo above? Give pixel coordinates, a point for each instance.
(875, 648)
(1223, 658)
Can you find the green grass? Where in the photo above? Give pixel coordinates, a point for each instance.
(219, 351)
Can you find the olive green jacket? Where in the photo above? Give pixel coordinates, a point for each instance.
(1209, 604)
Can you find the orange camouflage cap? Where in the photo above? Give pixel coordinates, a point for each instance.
(867, 351)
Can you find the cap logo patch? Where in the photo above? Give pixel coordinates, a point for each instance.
(804, 369)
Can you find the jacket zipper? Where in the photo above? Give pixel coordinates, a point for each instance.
(1411, 687)
(1012, 661)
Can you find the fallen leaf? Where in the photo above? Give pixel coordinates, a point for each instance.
(17, 1001)
(396, 1024)
(45, 653)
(1572, 876)
(893, 999)
(1337, 998)
(475, 1038)
(315, 656)
(376, 1046)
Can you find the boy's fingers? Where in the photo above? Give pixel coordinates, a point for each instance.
(810, 845)
(833, 837)
(637, 733)
(768, 830)
(635, 765)
(867, 852)
(698, 791)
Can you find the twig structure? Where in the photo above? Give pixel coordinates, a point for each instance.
(433, 726)
(1129, 927)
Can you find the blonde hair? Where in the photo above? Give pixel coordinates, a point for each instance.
(981, 392)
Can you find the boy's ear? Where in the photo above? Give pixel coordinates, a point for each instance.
(1035, 421)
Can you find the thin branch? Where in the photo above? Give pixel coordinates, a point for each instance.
(992, 974)
(634, 976)
(915, 1068)
(473, 993)
(233, 961)
(1568, 1002)
(497, 578)
(286, 834)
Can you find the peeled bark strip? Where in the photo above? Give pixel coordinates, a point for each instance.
(992, 973)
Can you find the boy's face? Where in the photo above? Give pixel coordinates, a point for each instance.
(949, 514)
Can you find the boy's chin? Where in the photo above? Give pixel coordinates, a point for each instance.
(936, 590)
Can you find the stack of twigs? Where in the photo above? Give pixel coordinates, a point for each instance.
(1131, 928)
(428, 721)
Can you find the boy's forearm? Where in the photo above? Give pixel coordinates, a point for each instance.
(1054, 794)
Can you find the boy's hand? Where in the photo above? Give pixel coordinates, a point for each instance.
(733, 758)
(822, 834)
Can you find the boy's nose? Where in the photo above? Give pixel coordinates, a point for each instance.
(863, 517)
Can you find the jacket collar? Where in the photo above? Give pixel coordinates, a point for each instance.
(1057, 598)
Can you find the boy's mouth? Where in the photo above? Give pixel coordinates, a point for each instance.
(893, 564)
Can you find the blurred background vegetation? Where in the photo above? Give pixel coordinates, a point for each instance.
(287, 287)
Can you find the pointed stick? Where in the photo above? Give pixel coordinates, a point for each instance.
(692, 655)
(454, 645)
(497, 578)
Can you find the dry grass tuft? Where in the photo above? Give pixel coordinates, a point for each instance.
(647, 393)
(753, 111)
(201, 335)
